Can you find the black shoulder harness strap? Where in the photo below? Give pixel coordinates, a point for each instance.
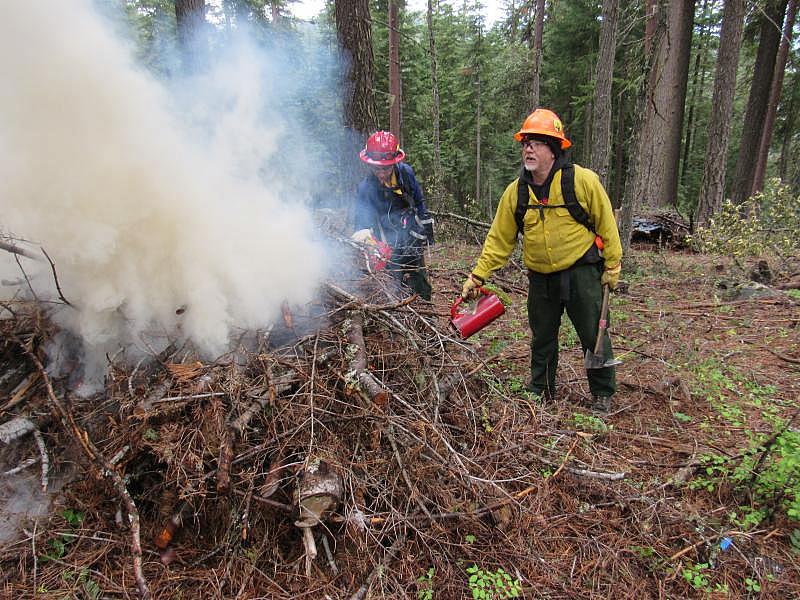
(570, 200)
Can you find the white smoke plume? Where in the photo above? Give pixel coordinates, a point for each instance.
(138, 217)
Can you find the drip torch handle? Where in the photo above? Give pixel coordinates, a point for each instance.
(459, 300)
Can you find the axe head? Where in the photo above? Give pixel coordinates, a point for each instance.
(598, 361)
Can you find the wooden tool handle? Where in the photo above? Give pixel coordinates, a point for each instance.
(603, 324)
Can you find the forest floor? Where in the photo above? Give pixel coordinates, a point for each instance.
(680, 492)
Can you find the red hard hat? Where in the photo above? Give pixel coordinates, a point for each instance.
(382, 149)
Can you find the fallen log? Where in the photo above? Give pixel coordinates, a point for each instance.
(359, 378)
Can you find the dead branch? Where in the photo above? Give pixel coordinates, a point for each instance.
(227, 439)
(261, 403)
(44, 458)
(103, 468)
(15, 429)
(783, 357)
(462, 219)
(389, 556)
(55, 279)
(20, 467)
(359, 377)
(411, 488)
(13, 249)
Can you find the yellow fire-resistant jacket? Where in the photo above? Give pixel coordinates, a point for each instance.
(553, 240)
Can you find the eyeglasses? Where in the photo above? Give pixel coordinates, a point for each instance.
(382, 155)
(534, 144)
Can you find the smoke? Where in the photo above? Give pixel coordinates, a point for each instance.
(141, 214)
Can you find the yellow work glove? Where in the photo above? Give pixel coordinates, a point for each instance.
(363, 236)
(471, 287)
(611, 276)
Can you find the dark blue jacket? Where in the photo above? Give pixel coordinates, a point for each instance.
(402, 221)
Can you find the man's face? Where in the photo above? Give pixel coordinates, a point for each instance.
(537, 157)
(383, 173)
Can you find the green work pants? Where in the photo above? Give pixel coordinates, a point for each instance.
(410, 270)
(582, 296)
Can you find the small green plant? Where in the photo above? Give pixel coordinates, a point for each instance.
(696, 576)
(567, 336)
(683, 418)
(470, 539)
(752, 585)
(795, 294)
(516, 385)
(485, 421)
(425, 585)
(794, 540)
(90, 586)
(73, 517)
(489, 585)
(643, 551)
(714, 467)
(589, 423)
(57, 546)
(150, 435)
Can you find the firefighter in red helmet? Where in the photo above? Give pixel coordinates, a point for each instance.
(390, 208)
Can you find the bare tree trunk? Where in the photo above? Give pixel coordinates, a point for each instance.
(275, 11)
(395, 87)
(601, 104)
(637, 176)
(478, 143)
(618, 158)
(774, 97)
(788, 130)
(665, 112)
(353, 28)
(698, 83)
(354, 32)
(190, 18)
(538, 31)
(771, 22)
(438, 177)
(712, 186)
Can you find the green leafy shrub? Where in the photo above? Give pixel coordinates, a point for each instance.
(488, 585)
(765, 224)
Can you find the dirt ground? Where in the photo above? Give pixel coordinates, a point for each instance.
(461, 484)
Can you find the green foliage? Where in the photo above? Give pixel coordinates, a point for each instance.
(485, 420)
(683, 418)
(752, 585)
(73, 517)
(589, 423)
(697, 576)
(58, 545)
(766, 224)
(91, 590)
(425, 585)
(567, 336)
(489, 585)
(794, 540)
(768, 468)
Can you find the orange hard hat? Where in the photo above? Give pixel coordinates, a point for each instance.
(382, 149)
(544, 122)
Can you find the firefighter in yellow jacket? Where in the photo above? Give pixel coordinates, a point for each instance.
(571, 248)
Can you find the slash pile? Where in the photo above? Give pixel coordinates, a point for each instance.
(355, 449)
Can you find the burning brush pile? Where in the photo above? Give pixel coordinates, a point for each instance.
(344, 448)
